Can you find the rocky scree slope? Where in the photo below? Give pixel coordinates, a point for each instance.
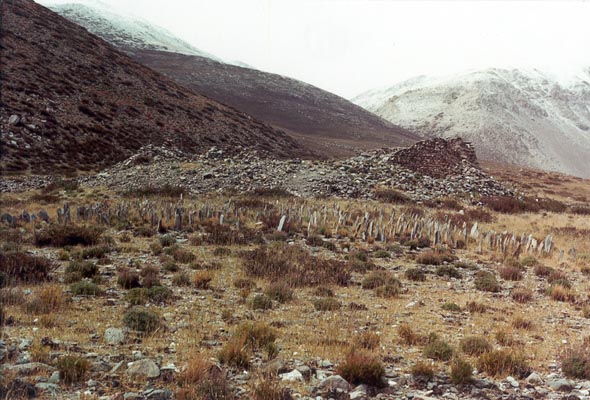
(355, 177)
(309, 113)
(71, 101)
(520, 117)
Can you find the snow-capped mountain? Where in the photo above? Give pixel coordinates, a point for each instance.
(522, 117)
(124, 31)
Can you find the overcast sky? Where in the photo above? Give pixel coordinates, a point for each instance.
(349, 46)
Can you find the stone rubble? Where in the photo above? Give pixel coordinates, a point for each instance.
(355, 177)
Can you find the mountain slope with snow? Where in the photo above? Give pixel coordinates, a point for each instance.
(521, 117)
(123, 30)
(319, 119)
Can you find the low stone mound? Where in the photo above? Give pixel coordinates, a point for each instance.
(438, 157)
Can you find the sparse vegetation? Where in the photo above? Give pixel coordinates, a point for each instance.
(68, 235)
(504, 362)
(475, 345)
(72, 369)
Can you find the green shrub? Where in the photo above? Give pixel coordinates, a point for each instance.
(390, 289)
(84, 269)
(141, 320)
(381, 254)
(167, 240)
(528, 261)
(452, 307)
(376, 279)
(486, 282)
(461, 371)
(392, 196)
(438, 349)
(261, 302)
(85, 288)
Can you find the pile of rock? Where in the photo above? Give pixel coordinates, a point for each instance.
(354, 177)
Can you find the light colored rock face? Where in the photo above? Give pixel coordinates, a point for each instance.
(114, 336)
(525, 118)
(143, 368)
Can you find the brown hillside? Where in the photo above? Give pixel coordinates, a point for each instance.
(71, 101)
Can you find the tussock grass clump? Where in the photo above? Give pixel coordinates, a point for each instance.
(408, 336)
(461, 371)
(127, 279)
(434, 257)
(559, 278)
(541, 270)
(248, 337)
(475, 345)
(294, 266)
(181, 279)
(326, 304)
(486, 282)
(366, 340)
(576, 363)
(222, 252)
(141, 320)
(510, 273)
(522, 295)
(280, 292)
(268, 387)
(522, 323)
(47, 299)
(72, 369)
(438, 349)
(381, 254)
(19, 267)
(202, 279)
(183, 256)
(202, 380)
(235, 353)
(390, 289)
(150, 276)
(501, 363)
(68, 235)
(360, 367)
(562, 293)
(422, 371)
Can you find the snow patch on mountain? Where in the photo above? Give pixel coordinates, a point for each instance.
(125, 31)
(523, 117)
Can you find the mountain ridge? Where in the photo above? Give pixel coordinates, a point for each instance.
(539, 120)
(73, 102)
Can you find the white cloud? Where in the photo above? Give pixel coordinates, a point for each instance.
(348, 46)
